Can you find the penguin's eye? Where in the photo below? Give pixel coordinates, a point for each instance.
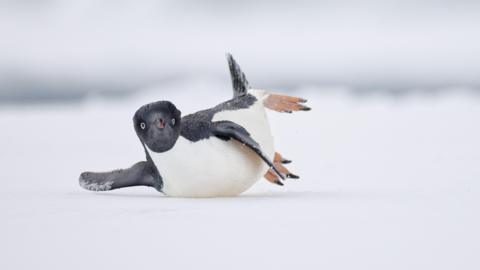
(142, 125)
(173, 121)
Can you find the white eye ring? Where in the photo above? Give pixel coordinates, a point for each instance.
(173, 121)
(142, 125)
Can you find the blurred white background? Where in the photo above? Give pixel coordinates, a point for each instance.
(63, 49)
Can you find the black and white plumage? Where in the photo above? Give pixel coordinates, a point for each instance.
(220, 151)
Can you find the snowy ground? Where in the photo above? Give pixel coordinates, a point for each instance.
(386, 184)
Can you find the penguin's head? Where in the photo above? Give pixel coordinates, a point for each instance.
(158, 125)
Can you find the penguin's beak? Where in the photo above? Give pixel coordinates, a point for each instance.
(161, 123)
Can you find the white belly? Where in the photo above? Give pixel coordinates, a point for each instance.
(214, 167)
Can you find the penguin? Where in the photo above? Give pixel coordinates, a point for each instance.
(216, 152)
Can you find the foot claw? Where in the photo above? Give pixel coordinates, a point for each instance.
(278, 183)
(273, 178)
(285, 161)
(293, 176)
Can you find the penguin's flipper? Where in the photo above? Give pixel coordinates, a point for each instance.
(288, 104)
(227, 130)
(140, 174)
(239, 81)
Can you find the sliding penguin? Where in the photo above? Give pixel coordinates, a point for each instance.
(221, 151)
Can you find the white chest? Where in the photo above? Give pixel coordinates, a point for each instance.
(213, 167)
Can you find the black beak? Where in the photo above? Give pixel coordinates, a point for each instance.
(161, 123)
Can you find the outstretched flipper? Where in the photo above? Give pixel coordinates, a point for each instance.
(239, 81)
(140, 174)
(227, 130)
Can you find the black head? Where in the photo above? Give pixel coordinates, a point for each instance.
(158, 125)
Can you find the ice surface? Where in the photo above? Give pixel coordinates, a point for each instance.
(385, 184)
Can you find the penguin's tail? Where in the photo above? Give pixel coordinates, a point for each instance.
(276, 102)
(239, 81)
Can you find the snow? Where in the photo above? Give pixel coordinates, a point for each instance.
(385, 184)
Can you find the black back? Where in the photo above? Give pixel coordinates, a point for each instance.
(197, 126)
